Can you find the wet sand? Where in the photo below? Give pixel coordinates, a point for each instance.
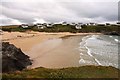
(50, 50)
(57, 53)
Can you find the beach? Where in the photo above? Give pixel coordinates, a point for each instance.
(50, 50)
(26, 40)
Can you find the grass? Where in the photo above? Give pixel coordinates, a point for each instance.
(65, 28)
(73, 72)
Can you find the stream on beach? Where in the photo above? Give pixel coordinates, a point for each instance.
(74, 51)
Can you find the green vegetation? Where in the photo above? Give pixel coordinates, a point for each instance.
(73, 72)
(66, 28)
(60, 28)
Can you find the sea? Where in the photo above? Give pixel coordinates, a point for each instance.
(102, 50)
(75, 51)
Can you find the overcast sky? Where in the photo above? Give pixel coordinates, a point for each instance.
(40, 11)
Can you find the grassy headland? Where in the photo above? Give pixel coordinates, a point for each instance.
(73, 72)
(66, 28)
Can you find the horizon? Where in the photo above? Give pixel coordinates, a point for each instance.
(54, 23)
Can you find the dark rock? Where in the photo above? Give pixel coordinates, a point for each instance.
(13, 59)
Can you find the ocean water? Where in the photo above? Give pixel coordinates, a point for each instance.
(101, 49)
(73, 52)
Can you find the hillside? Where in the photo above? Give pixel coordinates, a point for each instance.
(73, 72)
(112, 30)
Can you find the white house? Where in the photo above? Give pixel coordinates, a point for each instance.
(92, 24)
(118, 23)
(107, 24)
(78, 26)
(50, 25)
(43, 27)
(64, 23)
(73, 24)
(24, 26)
(87, 24)
(40, 26)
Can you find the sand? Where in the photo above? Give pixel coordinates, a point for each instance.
(46, 49)
(57, 53)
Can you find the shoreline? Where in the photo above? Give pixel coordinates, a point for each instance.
(32, 38)
(46, 54)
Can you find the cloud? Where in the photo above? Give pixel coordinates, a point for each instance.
(39, 21)
(32, 11)
(107, 10)
(8, 21)
(60, 0)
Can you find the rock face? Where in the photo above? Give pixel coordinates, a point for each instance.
(13, 59)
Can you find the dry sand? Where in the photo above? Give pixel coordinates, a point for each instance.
(45, 49)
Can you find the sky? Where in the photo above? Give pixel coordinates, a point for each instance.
(15, 12)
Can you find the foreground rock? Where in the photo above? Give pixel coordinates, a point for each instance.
(13, 59)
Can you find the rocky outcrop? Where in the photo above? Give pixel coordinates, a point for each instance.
(13, 59)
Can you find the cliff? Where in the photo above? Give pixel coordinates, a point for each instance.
(13, 59)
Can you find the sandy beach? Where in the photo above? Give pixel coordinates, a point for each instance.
(26, 40)
(47, 49)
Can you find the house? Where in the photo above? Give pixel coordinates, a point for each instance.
(40, 26)
(64, 23)
(87, 24)
(73, 24)
(43, 27)
(50, 25)
(24, 26)
(100, 24)
(78, 26)
(45, 24)
(93, 24)
(108, 24)
(118, 23)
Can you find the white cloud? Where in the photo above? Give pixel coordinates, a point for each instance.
(8, 21)
(33, 11)
(60, 0)
(39, 21)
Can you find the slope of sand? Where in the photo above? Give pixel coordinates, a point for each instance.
(46, 49)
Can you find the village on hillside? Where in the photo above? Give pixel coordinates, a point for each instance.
(76, 25)
(106, 28)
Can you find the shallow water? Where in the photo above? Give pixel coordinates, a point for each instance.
(102, 48)
(74, 51)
